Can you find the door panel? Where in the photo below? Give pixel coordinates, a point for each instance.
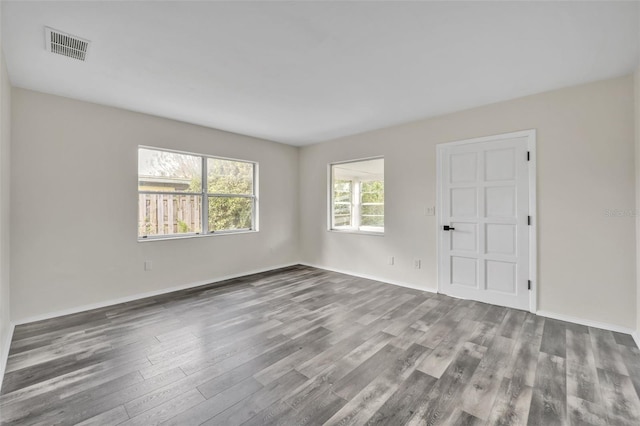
(463, 202)
(485, 200)
(463, 167)
(464, 271)
(500, 239)
(500, 164)
(465, 238)
(501, 276)
(500, 201)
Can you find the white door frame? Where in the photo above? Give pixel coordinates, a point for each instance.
(533, 246)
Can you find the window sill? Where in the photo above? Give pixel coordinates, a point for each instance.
(355, 231)
(184, 237)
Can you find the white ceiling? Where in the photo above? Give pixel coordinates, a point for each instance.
(307, 72)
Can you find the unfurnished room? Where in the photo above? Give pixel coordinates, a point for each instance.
(319, 213)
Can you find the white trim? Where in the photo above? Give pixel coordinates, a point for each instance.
(329, 187)
(4, 356)
(439, 214)
(533, 229)
(350, 231)
(636, 338)
(138, 296)
(512, 135)
(204, 193)
(546, 314)
(355, 194)
(186, 236)
(589, 323)
(356, 160)
(194, 154)
(371, 277)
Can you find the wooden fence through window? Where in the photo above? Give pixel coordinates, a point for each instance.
(166, 214)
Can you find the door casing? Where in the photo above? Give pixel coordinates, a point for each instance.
(533, 246)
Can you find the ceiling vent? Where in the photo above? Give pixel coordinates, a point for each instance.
(66, 44)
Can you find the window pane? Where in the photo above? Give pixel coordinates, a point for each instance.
(372, 191)
(377, 221)
(372, 215)
(342, 209)
(342, 186)
(230, 213)
(372, 210)
(229, 177)
(342, 203)
(169, 214)
(340, 220)
(342, 213)
(358, 195)
(342, 197)
(168, 171)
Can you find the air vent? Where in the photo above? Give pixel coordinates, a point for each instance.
(66, 44)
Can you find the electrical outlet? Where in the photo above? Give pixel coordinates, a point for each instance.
(148, 265)
(391, 260)
(430, 211)
(417, 263)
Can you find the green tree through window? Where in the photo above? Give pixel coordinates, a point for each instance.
(230, 184)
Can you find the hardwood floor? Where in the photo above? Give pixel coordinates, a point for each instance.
(305, 346)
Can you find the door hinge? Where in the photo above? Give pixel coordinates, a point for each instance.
(529, 220)
(529, 284)
(528, 156)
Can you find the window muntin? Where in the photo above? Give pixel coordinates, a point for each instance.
(172, 200)
(357, 196)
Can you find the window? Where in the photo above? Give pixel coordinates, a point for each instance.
(357, 196)
(188, 194)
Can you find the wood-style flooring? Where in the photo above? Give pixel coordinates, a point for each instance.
(306, 346)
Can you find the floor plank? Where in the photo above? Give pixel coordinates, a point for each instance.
(301, 345)
(479, 396)
(439, 406)
(549, 400)
(402, 405)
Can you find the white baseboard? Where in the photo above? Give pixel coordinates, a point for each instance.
(373, 278)
(4, 356)
(636, 338)
(588, 323)
(89, 307)
(84, 308)
(547, 314)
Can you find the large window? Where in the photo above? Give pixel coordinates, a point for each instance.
(188, 194)
(357, 196)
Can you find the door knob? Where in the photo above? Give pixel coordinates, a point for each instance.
(448, 228)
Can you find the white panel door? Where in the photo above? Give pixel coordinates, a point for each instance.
(484, 229)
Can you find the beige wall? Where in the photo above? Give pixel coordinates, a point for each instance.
(586, 266)
(5, 161)
(74, 201)
(66, 151)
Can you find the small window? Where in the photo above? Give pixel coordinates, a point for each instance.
(190, 194)
(357, 196)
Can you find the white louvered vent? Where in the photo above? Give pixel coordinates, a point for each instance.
(66, 44)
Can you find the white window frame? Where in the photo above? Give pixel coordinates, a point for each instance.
(356, 203)
(205, 232)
